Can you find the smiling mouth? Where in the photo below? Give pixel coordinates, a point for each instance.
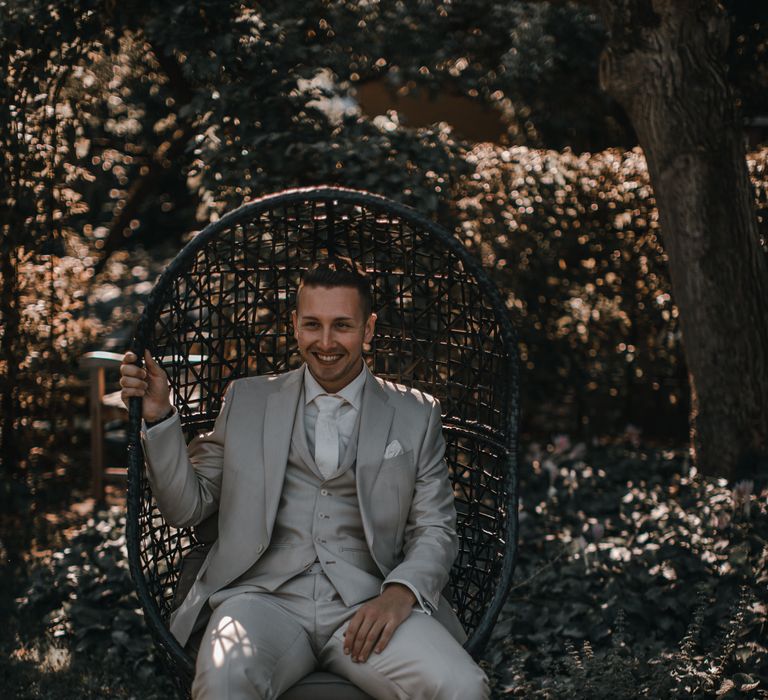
(327, 359)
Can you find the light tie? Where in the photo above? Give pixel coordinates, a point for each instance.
(327, 434)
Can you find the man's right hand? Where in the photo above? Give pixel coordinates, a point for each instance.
(150, 382)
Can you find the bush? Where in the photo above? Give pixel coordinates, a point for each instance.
(575, 243)
(636, 577)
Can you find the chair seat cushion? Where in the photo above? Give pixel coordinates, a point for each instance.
(321, 685)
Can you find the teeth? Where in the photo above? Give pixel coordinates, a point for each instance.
(328, 358)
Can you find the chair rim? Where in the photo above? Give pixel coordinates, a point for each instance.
(480, 636)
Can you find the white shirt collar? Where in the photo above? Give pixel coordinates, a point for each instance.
(351, 393)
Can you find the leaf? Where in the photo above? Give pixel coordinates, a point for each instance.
(120, 638)
(745, 681)
(727, 686)
(574, 632)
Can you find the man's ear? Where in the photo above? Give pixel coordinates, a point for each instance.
(295, 321)
(370, 326)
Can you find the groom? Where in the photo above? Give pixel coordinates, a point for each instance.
(336, 521)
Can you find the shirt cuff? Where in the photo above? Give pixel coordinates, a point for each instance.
(423, 606)
(158, 427)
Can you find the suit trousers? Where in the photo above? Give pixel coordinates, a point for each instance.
(257, 644)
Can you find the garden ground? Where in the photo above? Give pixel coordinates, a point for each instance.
(636, 577)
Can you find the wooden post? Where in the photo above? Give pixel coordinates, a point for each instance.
(97, 362)
(97, 434)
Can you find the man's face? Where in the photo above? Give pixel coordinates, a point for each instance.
(330, 329)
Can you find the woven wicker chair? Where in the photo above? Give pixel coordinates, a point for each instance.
(221, 310)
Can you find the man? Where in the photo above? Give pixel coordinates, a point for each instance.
(336, 522)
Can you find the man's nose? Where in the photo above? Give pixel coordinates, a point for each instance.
(326, 338)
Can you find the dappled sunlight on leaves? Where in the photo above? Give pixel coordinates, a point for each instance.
(626, 553)
(85, 599)
(575, 243)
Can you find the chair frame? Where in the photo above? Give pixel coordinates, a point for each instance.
(169, 646)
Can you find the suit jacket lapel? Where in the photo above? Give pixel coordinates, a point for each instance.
(376, 417)
(278, 427)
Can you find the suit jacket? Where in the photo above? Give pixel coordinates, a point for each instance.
(238, 469)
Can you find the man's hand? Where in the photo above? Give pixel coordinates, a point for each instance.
(376, 621)
(149, 382)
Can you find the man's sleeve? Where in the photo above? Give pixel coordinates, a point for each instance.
(430, 542)
(423, 605)
(186, 480)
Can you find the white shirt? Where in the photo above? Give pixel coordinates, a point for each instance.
(346, 415)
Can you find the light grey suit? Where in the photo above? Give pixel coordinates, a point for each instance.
(406, 503)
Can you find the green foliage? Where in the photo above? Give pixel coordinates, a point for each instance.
(693, 672)
(575, 243)
(535, 62)
(747, 53)
(574, 240)
(81, 630)
(133, 123)
(85, 593)
(636, 578)
(38, 50)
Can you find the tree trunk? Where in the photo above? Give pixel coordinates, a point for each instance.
(9, 310)
(9, 316)
(665, 64)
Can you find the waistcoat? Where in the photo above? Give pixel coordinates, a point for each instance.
(318, 520)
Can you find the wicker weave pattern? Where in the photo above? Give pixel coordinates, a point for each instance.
(222, 311)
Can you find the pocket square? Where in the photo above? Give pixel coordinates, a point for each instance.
(393, 449)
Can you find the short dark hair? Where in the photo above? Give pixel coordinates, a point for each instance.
(339, 271)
